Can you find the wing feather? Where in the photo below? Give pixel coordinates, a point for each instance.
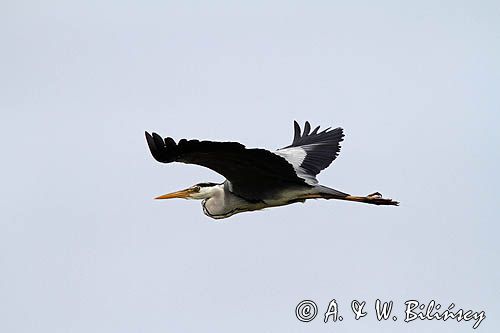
(253, 173)
(321, 148)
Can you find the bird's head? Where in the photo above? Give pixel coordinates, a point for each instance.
(199, 192)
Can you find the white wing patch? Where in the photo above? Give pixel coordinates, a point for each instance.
(295, 156)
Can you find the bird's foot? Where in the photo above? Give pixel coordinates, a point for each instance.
(377, 199)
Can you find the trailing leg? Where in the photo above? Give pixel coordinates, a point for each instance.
(373, 199)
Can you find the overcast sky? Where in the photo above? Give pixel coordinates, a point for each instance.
(84, 248)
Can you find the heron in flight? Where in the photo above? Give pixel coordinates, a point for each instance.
(258, 178)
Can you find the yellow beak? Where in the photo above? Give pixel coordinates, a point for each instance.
(179, 194)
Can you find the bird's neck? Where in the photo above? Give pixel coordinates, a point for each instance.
(214, 205)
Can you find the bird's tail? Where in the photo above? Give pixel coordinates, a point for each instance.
(329, 193)
(374, 198)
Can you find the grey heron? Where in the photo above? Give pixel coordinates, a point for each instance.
(258, 178)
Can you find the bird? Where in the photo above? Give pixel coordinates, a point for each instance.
(258, 178)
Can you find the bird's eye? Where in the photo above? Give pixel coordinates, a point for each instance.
(197, 188)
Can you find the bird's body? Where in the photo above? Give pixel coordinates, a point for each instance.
(224, 203)
(258, 178)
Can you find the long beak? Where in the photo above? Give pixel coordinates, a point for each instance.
(179, 194)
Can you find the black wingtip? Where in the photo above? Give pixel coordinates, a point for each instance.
(162, 150)
(149, 140)
(296, 131)
(307, 129)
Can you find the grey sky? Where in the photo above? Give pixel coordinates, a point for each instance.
(84, 248)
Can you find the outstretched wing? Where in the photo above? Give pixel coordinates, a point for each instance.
(253, 173)
(311, 152)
